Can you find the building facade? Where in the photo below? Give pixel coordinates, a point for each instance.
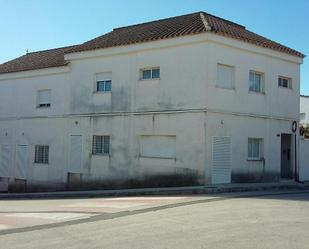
(127, 105)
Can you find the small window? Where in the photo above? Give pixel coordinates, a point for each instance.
(302, 117)
(284, 82)
(104, 86)
(100, 145)
(225, 76)
(256, 82)
(152, 73)
(41, 154)
(43, 98)
(255, 148)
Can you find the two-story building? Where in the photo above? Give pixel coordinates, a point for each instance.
(192, 94)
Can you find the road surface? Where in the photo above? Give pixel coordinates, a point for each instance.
(223, 221)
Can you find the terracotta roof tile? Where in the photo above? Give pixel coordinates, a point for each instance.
(36, 60)
(190, 24)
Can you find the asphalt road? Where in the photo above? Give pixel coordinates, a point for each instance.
(271, 221)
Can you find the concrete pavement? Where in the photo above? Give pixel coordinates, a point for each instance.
(264, 220)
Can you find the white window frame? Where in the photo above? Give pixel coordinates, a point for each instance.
(232, 87)
(151, 73)
(44, 158)
(285, 78)
(250, 156)
(103, 151)
(262, 82)
(104, 82)
(43, 105)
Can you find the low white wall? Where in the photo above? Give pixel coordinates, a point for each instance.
(304, 160)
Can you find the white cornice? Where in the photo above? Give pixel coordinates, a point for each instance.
(35, 73)
(181, 41)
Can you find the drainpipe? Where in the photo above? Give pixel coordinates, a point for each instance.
(294, 130)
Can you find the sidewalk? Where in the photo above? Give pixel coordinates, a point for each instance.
(208, 189)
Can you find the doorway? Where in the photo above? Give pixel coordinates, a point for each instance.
(286, 156)
(75, 157)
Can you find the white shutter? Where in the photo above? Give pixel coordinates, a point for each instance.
(103, 76)
(158, 146)
(221, 160)
(5, 159)
(21, 162)
(225, 76)
(75, 164)
(44, 96)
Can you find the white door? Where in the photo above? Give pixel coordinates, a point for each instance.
(75, 164)
(221, 160)
(5, 159)
(22, 160)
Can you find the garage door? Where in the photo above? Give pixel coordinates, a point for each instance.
(221, 160)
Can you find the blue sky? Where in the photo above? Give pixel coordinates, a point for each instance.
(42, 24)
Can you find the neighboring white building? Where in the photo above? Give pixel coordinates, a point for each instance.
(188, 94)
(304, 110)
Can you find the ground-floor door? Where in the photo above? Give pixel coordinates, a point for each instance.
(22, 160)
(221, 160)
(5, 159)
(75, 163)
(286, 156)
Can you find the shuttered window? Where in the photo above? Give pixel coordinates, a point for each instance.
(255, 148)
(284, 82)
(103, 82)
(101, 145)
(255, 82)
(41, 154)
(43, 98)
(158, 146)
(225, 76)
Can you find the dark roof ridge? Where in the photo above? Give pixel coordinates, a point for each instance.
(155, 21)
(225, 20)
(52, 49)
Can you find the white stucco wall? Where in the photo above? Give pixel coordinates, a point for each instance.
(304, 110)
(304, 160)
(184, 102)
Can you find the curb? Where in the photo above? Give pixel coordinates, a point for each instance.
(211, 189)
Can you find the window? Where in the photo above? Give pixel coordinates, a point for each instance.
(43, 98)
(41, 154)
(284, 82)
(100, 145)
(255, 82)
(302, 117)
(225, 76)
(151, 73)
(255, 147)
(104, 86)
(158, 146)
(103, 82)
